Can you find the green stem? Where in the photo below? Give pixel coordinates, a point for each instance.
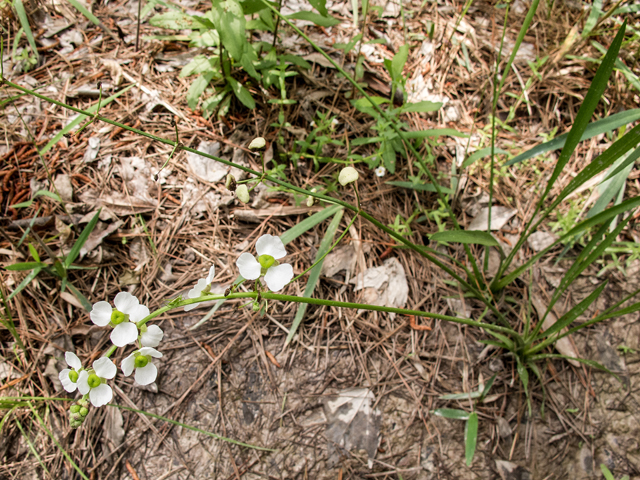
(330, 303)
(111, 351)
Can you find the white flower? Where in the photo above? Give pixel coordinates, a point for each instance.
(140, 360)
(334, 123)
(69, 376)
(380, 171)
(196, 291)
(152, 336)
(242, 192)
(257, 143)
(123, 318)
(269, 250)
(347, 175)
(94, 383)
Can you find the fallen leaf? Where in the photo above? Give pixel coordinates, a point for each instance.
(538, 241)
(499, 218)
(63, 186)
(385, 285)
(565, 345)
(99, 233)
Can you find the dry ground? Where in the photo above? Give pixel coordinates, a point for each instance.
(233, 374)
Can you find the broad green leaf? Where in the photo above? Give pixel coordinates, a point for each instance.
(474, 237)
(485, 152)
(249, 7)
(365, 103)
(422, 187)
(398, 62)
(197, 88)
(241, 93)
(23, 266)
(470, 437)
(604, 125)
(39, 193)
(320, 6)
(315, 18)
(33, 252)
(451, 413)
(173, 20)
(75, 250)
(314, 274)
(81, 118)
(231, 26)
(198, 64)
(421, 107)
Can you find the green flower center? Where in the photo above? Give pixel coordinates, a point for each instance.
(73, 376)
(266, 261)
(118, 317)
(141, 361)
(94, 380)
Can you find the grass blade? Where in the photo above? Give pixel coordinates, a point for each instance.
(26, 281)
(81, 8)
(31, 446)
(422, 187)
(314, 275)
(193, 429)
(470, 437)
(485, 152)
(7, 320)
(308, 223)
(24, 22)
(474, 237)
(75, 250)
(451, 413)
(604, 125)
(92, 109)
(86, 304)
(591, 101)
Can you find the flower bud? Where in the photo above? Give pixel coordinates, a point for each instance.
(84, 411)
(231, 183)
(348, 175)
(74, 408)
(257, 144)
(243, 193)
(310, 201)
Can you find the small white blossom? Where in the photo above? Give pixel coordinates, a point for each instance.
(152, 336)
(257, 143)
(94, 383)
(380, 171)
(196, 291)
(123, 318)
(270, 249)
(347, 175)
(141, 361)
(69, 376)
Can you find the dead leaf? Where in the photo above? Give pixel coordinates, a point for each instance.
(69, 298)
(343, 258)
(538, 241)
(114, 69)
(565, 345)
(99, 233)
(91, 153)
(385, 285)
(499, 218)
(352, 423)
(113, 431)
(208, 170)
(511, 471)
(63, 186)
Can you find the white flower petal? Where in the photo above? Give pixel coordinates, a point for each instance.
(190, 307)
(66, 382)
(138, 313)
(146, 375)
(270, 245)
(124, 334)
(83, 384)
(101, 395)
(277, 277)
(73, 361)
(150, 351)
(196, 291)
(152, 337)
(212, 273)
(125, 302)
(248, 265)
(101, 313)
(105, 368)
(128, 364)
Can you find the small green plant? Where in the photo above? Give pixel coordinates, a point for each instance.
(626, 350)
(608, 475)
(59, 266)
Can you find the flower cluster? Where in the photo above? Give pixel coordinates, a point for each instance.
(127, 317)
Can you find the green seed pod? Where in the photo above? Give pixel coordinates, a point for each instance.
(84, 411)
(75, 408)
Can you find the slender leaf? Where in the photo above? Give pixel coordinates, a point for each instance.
(86, 304)
(315, 18)
(474, 237)
(314, 274)
(460, 396)
(422, 187)
(470, 437)
(436, 132)
(589, 363)
(39, 193)
(308, 223)
(242, 93)
(24, 22)
(320, 6)
(31, 446)
(421, 107)
(592, 19)
(75, 250)
(451, 413)
(23, 266)
(82, 9)
(598, 127)
(488, 385)
(92, 109)
(398, 62)
(26, 281)
(485, 152)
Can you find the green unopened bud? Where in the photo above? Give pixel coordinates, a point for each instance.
(242, 192)
(231, 183)
(310, 201)
(74, 408)
(94, 380)
(84, 411)
(348, 175)
(257, 143)
(256, 307)
(141, 361)
(117, 317)
(73, 376)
